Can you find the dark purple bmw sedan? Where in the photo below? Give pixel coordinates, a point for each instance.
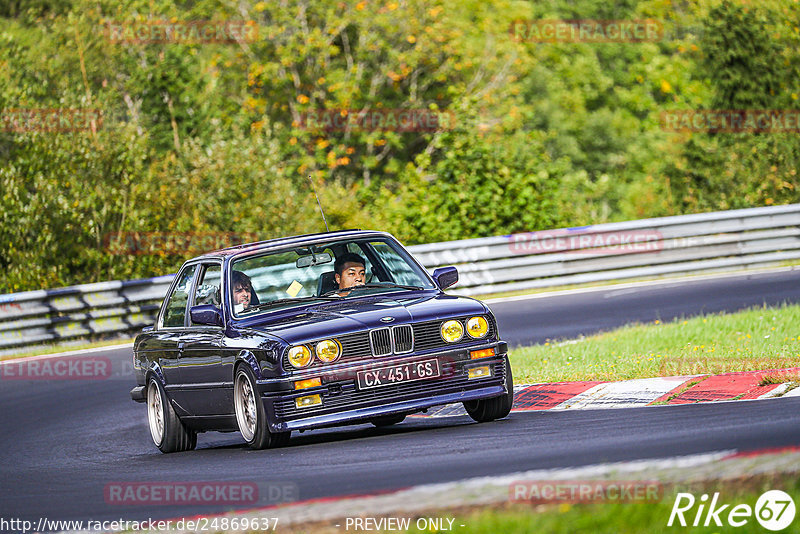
(313, 331)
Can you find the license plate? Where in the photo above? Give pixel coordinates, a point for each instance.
(405, 372)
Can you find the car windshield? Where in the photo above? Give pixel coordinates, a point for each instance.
(308, 274)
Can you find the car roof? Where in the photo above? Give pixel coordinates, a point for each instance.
(248, 248)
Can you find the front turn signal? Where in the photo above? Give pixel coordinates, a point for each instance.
(308, 383)
(483, 353)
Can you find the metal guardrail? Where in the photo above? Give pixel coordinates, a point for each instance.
(686, 244)
(51, 315)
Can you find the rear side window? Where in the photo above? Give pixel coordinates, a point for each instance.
(175, 312)
(209, 289)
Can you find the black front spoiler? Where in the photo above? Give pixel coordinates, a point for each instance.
(138, 394)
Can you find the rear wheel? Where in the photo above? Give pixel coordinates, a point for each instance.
(168, 432)
(495, 408)
(250, 414)
(388, 420)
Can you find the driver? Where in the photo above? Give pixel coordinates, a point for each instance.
(350, 272)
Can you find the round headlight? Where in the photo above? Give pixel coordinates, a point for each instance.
(327, 350)
(452, 331)
(477, 327)
(299, 356)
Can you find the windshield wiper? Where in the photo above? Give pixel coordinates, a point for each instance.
(384, 285)
(287, 301)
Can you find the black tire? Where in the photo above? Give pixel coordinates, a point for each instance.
(250, 414)
(388, 420)
(496, 407)
(168, 432)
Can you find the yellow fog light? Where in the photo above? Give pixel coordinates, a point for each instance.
(308, 383)
(477, 327)
(309, 401)
(452, 331)
(483, 353)
(299, 356)
(479, 372)
(328, 350)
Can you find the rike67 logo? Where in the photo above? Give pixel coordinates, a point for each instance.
(774, 510)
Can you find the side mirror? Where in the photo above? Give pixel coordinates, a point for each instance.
(445, 277)
(206, 314)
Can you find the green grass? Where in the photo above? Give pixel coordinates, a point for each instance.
(614, 518)
(598, 517)
(755, 339)
(601, 518)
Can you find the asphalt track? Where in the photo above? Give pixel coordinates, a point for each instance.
(65, 442)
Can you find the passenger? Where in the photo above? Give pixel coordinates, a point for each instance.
(243, 293)
(350, 272)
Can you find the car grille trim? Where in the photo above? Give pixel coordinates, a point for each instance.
(391, 340)
(380, 341)
(403, 339)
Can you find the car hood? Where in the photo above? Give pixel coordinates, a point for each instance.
(332, 319)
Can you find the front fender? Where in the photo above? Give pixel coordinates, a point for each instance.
(249, 359)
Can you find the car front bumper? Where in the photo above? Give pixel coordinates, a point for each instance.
(344, 402)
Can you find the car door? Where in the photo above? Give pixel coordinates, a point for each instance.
(171, 327)
(202, 374)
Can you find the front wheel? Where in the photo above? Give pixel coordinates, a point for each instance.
(250, 414)
(496, 407)
(168, 432)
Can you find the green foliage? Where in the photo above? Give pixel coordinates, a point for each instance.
(476, 185)
(210, 137)
(747, 68)
(743, 57)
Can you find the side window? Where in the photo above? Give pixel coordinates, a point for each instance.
(175, 312)
(209, 290)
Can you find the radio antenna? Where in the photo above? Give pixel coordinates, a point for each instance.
(318, 203)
